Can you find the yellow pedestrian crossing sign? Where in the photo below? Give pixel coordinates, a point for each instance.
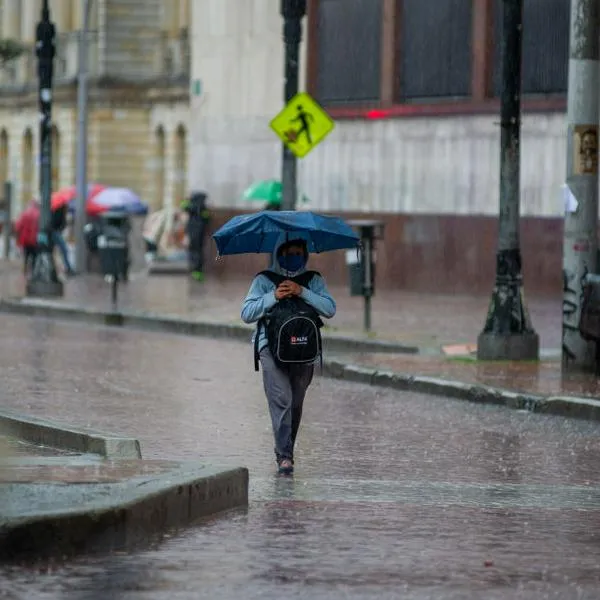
(302, 124)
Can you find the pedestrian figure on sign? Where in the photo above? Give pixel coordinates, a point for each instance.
(304, 118)
(286, 302)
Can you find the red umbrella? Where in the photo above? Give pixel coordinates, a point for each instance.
(26, 226)
(67, 195)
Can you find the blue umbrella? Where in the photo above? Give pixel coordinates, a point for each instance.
(262, 231)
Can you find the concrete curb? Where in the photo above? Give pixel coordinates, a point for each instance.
(166, 323)
(56, 435)
(141, 512)
(579, 408)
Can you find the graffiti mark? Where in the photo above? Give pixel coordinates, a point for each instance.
(572, 301)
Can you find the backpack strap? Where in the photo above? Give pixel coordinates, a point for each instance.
(256, 336)
(273, 277)
(303, 279)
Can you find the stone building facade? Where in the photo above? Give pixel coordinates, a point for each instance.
(138, 97)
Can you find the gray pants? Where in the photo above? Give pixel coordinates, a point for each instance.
(285, 388)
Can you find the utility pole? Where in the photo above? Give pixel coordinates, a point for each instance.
(292, 11)
(44, 281)
(581, 193)
(508, 333)
(82, 141)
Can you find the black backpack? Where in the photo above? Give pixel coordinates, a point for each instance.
(293, 327)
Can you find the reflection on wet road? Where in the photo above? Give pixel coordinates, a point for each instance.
(396, 495)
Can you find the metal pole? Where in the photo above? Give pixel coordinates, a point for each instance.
(581, 192)
(82, 135)
(44, 281)
(508, 333)
(7, 218)
(292, 12)
(367, 258)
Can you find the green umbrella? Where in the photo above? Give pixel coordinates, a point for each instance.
(269, 191)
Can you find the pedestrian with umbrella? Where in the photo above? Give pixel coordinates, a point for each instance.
(287, 303)
(26, 231)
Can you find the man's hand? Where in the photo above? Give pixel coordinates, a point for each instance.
(281, 292)
(287, 289)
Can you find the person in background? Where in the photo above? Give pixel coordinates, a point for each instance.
(58, 224)
(26, 232)
(198, 219)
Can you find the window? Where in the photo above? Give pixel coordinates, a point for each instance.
(349, 51)
(4, 158)
(159, 168)
(180, 178)
(27, 168)
(56, 158)
(380, 57)
(435, 49)
(545, 46)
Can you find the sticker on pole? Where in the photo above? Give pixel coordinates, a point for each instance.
(302, 124)
(585, 149)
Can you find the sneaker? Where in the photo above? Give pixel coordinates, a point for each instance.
(286, 467)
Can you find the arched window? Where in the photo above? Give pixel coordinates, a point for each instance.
(4, 158)
(27, 168)
(180, 174)
(159, 161)
(55, 158)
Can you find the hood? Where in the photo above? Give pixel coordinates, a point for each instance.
(283, 238)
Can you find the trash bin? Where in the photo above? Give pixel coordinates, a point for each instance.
(356, 273)
(113, 244)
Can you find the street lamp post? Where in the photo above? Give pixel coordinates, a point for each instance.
(508, 333)
(293, 12)
(82, 141)
(44, 280)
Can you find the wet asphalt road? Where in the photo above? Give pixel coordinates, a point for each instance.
(396, 495)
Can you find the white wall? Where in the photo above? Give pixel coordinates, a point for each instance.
(411, 165)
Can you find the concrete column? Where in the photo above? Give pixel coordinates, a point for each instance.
(11, 19)
(30, 16)
(581, 208)
(60, 13)
(184, 14)
(77, 7)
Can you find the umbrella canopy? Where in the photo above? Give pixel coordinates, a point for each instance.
(68, 195)
(27, 224)
(261, 232)
(267, 190)
(117, 199)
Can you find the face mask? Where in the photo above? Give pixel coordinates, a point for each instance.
(291, 263)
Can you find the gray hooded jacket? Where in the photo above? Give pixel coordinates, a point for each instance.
(261, 296)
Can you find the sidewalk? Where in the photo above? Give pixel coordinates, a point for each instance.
(426, 321)
(58, 501)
